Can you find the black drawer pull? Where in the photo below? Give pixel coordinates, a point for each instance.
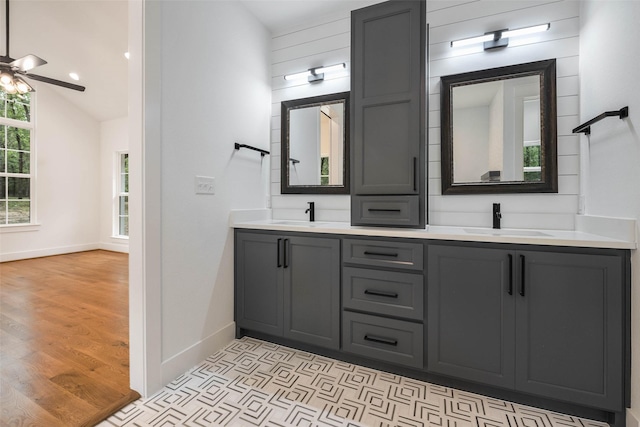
(279, 253)
(381, 293)
(381, 254)
(522, 275)
(510, 291)
(381, 340)
(415, 169)
(383, 210)
(285, 253)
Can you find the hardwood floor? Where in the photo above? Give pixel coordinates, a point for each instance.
(64, 339)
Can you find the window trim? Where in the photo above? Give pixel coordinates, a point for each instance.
(116, 195)
(33, 224)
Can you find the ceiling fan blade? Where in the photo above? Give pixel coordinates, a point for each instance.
(54, 82)
(27, 62)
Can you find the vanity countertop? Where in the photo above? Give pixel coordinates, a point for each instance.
(435, 232)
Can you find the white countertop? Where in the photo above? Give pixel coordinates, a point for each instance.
(469, 234)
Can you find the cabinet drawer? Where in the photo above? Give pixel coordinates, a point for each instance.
(381, 253)
(391, 340)
(383, 292)
(398, 211)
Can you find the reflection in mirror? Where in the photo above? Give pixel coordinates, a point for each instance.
(498, 130)
(314, 145)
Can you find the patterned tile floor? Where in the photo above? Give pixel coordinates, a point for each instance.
(256, 383)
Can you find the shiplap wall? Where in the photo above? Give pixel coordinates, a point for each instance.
(327, 41)
(452, 20)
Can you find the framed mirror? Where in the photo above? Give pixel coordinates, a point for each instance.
(315, 145)
(499, 130)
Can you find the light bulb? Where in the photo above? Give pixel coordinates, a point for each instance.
(74, 76)
(10, 88)
(5, 78)
(331, 68)
(297, 76)
(22, 87)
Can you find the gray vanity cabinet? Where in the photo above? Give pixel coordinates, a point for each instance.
(470, 328)
(289, 286)
(382, 300)
(387, 114)
(259, 282)
(569, 327)
(541, 322)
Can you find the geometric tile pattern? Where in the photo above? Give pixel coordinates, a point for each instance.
(257, 383)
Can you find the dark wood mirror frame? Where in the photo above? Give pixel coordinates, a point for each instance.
(287, 106)
(548, 129)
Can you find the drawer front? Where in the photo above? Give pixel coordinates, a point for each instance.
(383, 292)
(390, 340)
(381, 253)
(398, 211)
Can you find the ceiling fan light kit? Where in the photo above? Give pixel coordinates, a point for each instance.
(13, 71)
(12, 84)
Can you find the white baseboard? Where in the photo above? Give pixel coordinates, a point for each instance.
(15, 256)
(115, 247)
(187, 359)
(632, 419)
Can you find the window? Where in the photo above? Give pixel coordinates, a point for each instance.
(16, 159)
(121, 225)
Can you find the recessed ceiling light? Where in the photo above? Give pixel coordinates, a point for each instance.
(126, 55)
(74, 76)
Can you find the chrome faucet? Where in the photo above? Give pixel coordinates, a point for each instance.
(311, 211)
(497, 216)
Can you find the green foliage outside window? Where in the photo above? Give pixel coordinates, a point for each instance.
(532, 156)
(324, 171)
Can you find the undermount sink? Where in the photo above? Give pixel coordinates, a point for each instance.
(300, 223)
(504, 232)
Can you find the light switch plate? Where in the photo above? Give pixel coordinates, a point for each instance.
(205, 185)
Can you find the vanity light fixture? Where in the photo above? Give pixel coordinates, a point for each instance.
(500, 38)
(315, 74)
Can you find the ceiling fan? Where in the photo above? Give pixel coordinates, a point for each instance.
(13, 70)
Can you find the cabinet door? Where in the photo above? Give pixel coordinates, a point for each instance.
(312, 290)
(470, 330)
(569, 328)
(388, 74)
(259, 282)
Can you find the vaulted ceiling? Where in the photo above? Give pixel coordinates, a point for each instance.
(90, 37)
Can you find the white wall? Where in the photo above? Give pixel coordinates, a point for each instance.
(325, 41)
(609, 69)
(211, 88)
(67, 182)
(114, 138)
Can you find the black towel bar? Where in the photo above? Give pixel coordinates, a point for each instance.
(586, 126)
(259, 150)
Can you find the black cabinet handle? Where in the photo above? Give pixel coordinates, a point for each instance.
(415, 170)
(279, 253)
(522, 275)
(383, 210)
(381, 293)
(510, 291)
(381, 340)
(285, 251)
(393, 255)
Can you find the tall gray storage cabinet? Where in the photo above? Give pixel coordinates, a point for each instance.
(546, 323)
(388, 51)
(289, 286)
